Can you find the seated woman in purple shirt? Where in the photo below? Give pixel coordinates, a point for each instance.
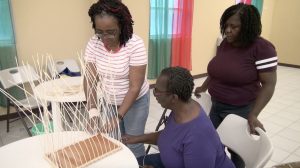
(189, 139)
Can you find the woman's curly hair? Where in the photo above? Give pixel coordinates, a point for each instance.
(250, 22)
(179, 82)
(117, 9)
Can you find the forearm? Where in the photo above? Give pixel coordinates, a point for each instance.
(203, 87)
(206, 83)
(129, 99)
(264, 96)
(136, 80)
(150, 138)
(268, 82)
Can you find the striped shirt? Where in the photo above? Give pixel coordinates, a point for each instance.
(234, 71)
(114, 67)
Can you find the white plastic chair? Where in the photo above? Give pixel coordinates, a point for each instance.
(234, 133)
(163, 118)
(19, 76)
(58, 66)
(205, 102)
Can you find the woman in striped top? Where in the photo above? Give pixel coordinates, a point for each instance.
(242, 76)
(119, 57)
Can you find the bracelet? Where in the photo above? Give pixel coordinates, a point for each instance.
(93, 112)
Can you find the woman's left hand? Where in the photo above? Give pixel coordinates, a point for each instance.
(254, 122)
(110, 125)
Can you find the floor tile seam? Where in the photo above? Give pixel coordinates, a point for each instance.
(292, 139)
(289, 119)
(276, 132)
(295, 122)
(297, 150)
(281, 148)
(285, 126)
(288, 139)
(284, 103)
(281, 158)
(273, 133)
(294, 151)
(287, 158)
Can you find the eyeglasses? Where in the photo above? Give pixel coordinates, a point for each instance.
(108, 34)
(159, 92)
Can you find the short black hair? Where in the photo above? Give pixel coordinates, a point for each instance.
(117, 9)
(179, 82)
(250, 22)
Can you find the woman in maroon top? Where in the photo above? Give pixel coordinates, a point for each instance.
(242, 76)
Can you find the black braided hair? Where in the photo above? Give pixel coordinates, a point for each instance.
(117, 9)
(250, 22)
(180, 82)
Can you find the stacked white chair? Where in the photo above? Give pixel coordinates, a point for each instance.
(56, 67)
(18, 76)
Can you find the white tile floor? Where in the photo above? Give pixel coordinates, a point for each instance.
(281, 118)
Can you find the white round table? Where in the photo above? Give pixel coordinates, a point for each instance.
(30, 153)
(66, 89)
(62, 90)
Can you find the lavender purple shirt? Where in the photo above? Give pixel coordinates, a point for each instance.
(191, 145)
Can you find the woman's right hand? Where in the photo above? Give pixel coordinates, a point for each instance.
(199, 90)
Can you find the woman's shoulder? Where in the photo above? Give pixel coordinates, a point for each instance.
(262, 42)
(201, 122)
(264, 48)
(134, 43)
(135, 39)
(202, 129)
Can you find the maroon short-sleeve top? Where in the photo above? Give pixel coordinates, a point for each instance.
(234, 71)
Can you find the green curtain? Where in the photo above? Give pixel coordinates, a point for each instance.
(161, 13)
(7, 46)
(258, 4)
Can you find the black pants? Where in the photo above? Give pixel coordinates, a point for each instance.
(217, 114)
(151, 159)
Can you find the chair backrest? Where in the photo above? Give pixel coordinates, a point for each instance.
(17, 75)
(205, 102)
(255, 150)
(59, 66)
